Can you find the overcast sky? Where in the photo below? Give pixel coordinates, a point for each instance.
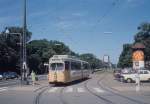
(86, 26)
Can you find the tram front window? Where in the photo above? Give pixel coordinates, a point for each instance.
(57, 66)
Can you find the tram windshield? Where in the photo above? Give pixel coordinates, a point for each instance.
(57, 66)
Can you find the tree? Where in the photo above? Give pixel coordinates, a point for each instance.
(94, 62)
(10, 49)
(125, 59)
(39, 52)
(142, 36)
(60, 48)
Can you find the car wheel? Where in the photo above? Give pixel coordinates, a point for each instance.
(129, 80)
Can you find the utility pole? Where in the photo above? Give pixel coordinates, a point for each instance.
(24, 58)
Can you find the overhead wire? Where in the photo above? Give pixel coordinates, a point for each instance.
(114, 4)
(108, 11)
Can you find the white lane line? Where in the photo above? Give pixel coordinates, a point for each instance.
(80, 90)
(69, 89)
(54, 89)
(3, 89)
(98, 90)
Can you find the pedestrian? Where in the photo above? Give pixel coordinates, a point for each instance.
(33, 77)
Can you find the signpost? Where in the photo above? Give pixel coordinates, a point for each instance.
(138, 62)
(106, 60)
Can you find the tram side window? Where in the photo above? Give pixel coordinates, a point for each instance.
(67, 65)
(75, 66)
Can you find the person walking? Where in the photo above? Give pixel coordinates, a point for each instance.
(33, 77)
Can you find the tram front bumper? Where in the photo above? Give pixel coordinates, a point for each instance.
(59, 77)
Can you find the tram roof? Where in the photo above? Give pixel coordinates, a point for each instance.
(64, 57)
(67, 57)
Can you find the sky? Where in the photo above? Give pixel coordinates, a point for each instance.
(100, 27)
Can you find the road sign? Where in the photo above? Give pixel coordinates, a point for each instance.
(106, 59)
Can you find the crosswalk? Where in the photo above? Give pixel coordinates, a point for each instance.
(2, 89)
(76, 90)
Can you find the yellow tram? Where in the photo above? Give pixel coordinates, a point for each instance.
(65, 68)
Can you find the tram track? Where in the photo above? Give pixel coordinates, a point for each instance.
(42, 89)
(117, 93)
(61, 96)
(39, 95)
(107, 101)
(100, 97)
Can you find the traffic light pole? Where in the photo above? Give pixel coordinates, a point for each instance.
(24, 54)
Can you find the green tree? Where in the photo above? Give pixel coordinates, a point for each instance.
(125, 59)
(143, 36)
(10, 49)
(39, 51)
(92, 60)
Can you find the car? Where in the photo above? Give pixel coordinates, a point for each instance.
(10, 75)
(144, 75)
(126, 70)
(1, 76)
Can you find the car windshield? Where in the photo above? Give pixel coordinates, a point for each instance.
(57, 66)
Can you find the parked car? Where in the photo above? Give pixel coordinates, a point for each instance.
(126, 70)
(10, 75)
(1, 76)
(144, 75)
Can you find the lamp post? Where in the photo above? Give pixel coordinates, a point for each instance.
(23, 41)
(24, 58)
(20, 42)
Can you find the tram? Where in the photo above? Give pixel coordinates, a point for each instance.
(65, 68)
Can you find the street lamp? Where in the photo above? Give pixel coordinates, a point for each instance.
(20, 42)
(24, 53)
(23, 41)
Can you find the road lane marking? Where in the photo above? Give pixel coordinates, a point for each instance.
(3, 89)
(69, 89)
(80, 90)
(98, 90)
(54, 89)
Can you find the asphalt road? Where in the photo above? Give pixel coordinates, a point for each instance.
(98, 89)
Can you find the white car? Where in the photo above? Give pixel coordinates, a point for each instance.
(1, 77)
(144, 75)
